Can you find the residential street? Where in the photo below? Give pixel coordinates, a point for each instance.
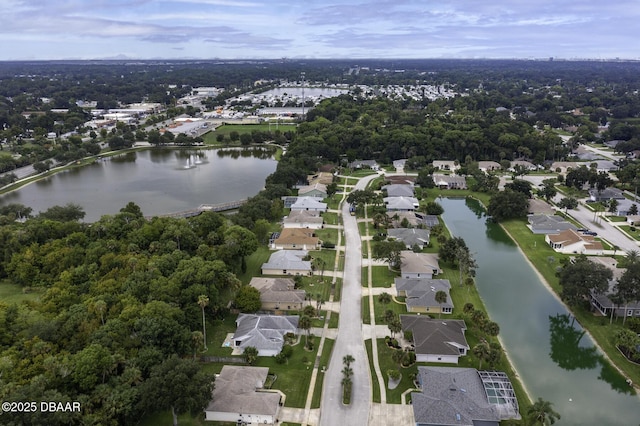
(350, 337)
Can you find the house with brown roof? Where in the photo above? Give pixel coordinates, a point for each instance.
(296, 239)
(436, 340)
(446, 165)
(279, 294)
(239, 397)
(570, 241)
(324, 178)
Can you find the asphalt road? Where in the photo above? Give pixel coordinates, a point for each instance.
(350, 338)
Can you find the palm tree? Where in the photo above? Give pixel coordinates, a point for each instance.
(441, 297)
(633, 256)
(542, 413)
(203, 301)
(395, 326)
(384, 298)
(250, 354)
(482, 351)
(347, 360)
(305, 324)
(196, 340)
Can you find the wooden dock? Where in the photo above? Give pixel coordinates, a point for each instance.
(221, 207)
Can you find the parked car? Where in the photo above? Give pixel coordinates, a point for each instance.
(593, 234)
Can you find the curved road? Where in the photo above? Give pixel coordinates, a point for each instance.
(350, 338)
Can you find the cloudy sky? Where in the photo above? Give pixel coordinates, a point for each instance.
(149, 29)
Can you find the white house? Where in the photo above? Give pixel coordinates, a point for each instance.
(303, 219)
(570, 241)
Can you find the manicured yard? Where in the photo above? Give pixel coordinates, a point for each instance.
(324, 362)
(381, 276)
(327, 235)
(293, 377)
(375, 387)
(627, 228)
(330, 218)
(617, 218)
(254, 264)
(386, 364)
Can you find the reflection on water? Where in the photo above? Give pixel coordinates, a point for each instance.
(262, 153)
(565, 337)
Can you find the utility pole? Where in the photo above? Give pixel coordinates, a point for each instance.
(302, 75)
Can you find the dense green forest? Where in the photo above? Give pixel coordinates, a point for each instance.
(118, 300)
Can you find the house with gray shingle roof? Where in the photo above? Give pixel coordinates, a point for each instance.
(287, 262)
(398, 190)
(548, 224)
(309, 203)
(450, 181)
(436, 340)
(418, 265)
(238, 397)
(461, 396)
(606, 194)
(401, 203)
(420, 294)
(263, 332)
(410, 236)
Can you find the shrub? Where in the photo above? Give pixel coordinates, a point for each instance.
(328, 245)
(287, 351)
(281, 358)
(393, 374)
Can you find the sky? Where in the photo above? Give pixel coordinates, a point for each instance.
(272, 29)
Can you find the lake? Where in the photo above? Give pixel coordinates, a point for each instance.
(158, 180)
(553, 357)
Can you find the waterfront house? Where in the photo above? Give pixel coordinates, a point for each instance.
(324, 178)
(420, 294)
(239, 398)
(463, 397)
(410, 236)
(570, 241)
(436, 340)
(548, 224)
(450, 181)
(401, 203)
(418, 265)
(602, 303)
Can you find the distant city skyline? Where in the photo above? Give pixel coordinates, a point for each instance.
(243, 29)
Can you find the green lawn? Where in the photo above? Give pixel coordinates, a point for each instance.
(381, 276)
(366, 313)
(293, 378)
(324, 362)
(627, 228)
(327, 235)
(216, 333)
(375, 387)
(617, 218)
(330, 218)
(386, 364)
(254, 264)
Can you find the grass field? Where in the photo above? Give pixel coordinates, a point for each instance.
(13, 293)
(381, 276)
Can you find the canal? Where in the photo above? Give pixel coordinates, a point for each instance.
(553, 357)
(158, 180)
